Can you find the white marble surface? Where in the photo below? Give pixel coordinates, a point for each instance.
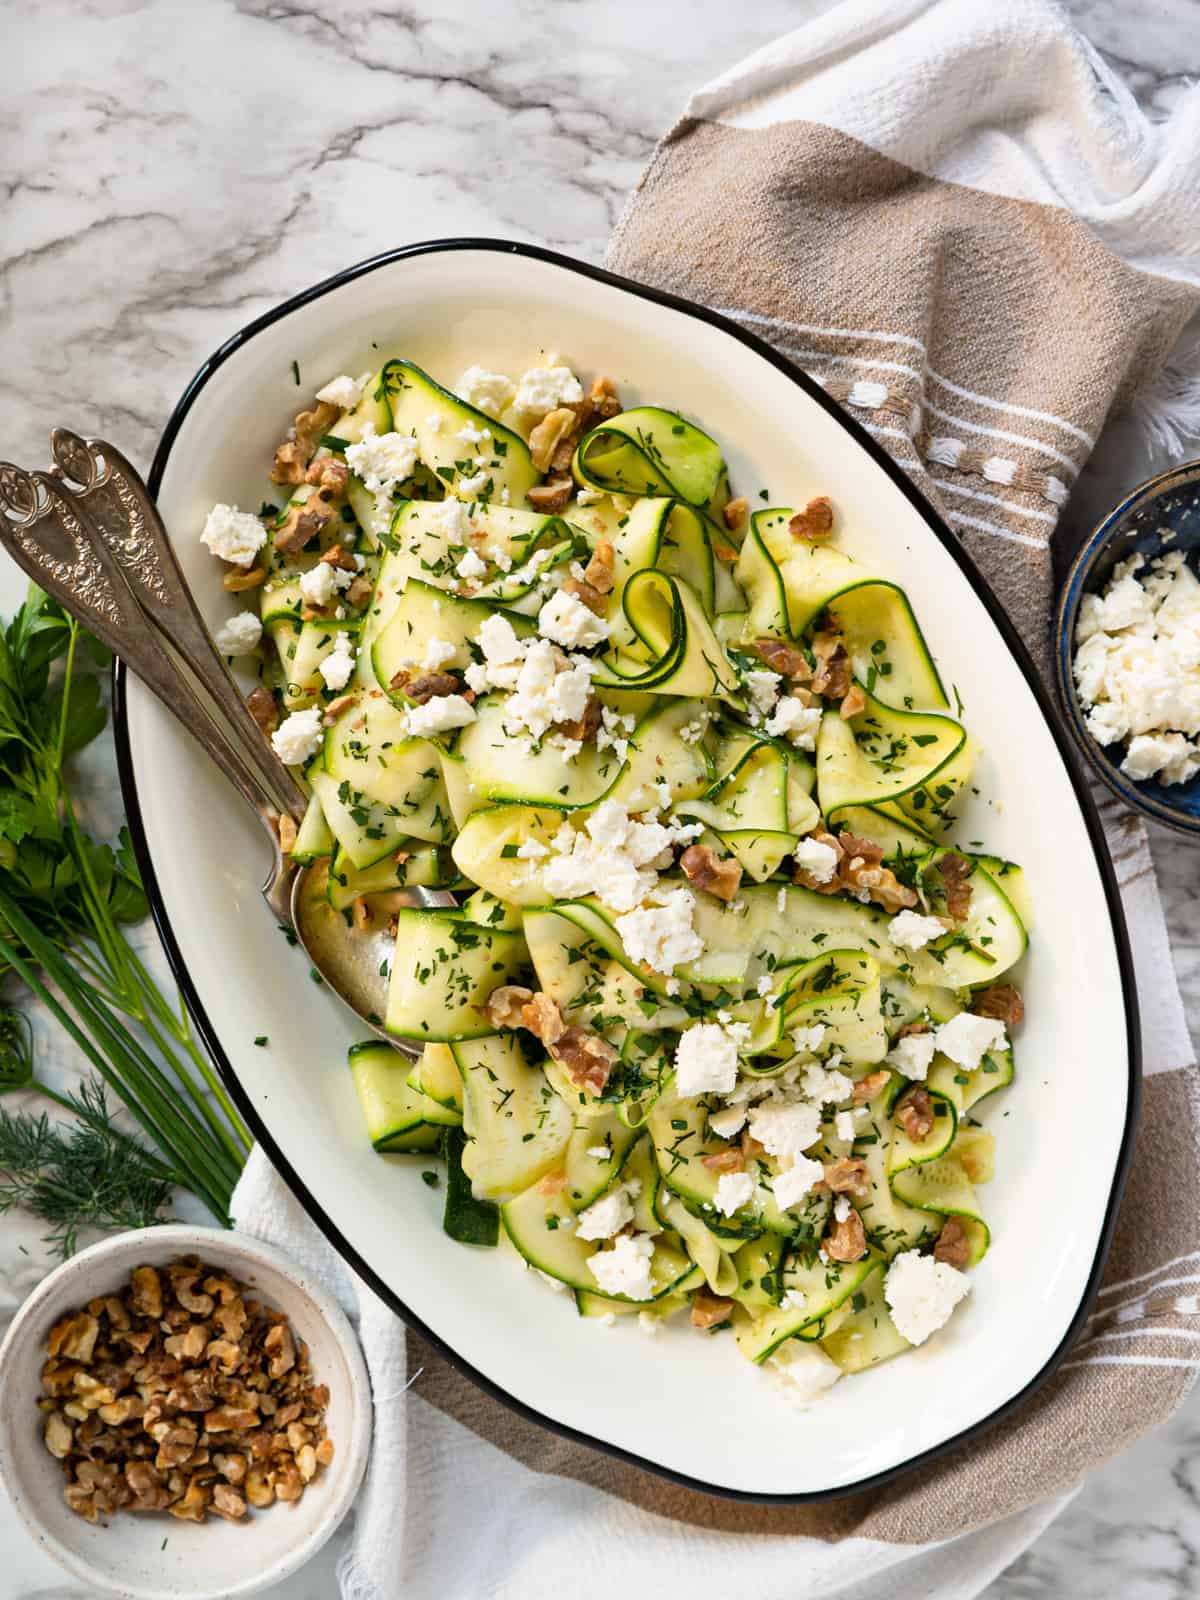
(171, 170)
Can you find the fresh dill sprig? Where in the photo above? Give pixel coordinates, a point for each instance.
(83, 1174)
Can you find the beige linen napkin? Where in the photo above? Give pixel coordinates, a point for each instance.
(981, 264)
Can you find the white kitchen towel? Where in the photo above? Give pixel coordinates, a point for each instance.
(1006, 99)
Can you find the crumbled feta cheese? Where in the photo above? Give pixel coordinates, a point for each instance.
(734, 1190)
(565, 619)
(609, 1214)
(763, 688)
(438, 715)
(625, 1268)
(542, 389)
(344, 391)
(450, 518)
(498, 557)
(434, 422)
(548, 688)
(613, 732)
(236, 536)
(796, 1181)
(320, 583)
(662, 935)
(382, 460)
(843, 1125)
(725, 1124)
(966, 1039)
(909, 930)
(799, 723)
(471, 488)
(781, 899)
(826, 1087)
(437, 653)
(498, 641)
(817, 859)
(810, 1038)
(599, 1152)
(486, 391)
(706, 1061)
(298, 736)
(785, 1129)
(649, 1323)
(793, 1300)
(470, 566)
(1137, 666)
(841, 1208)
(692, 732)
(1170, 757)
(803, 1370)
(338, 666)
(921, 1294)
(239, 634)
(472, 435)
(532, 850)
(764, 986)
(912, 1055)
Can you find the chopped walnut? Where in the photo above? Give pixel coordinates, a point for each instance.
(587, 1057)
(832, 674)
(848, 1175)
(846, 1240)
(752, 1149)
(912, 1028)
(302, 523)
(953, 1246)
(550, 497)
(74, 1338)
(833, 884)
(867, 1088)
(177, 1424)
(359, 592)
(555, 427)
(1001, 1001)
(329, 473)
(236, 581)
(287, 831)
(814, 522)
(586, 726)
(506, 1004)
(709, 1310)
(586, 595)
(338, 556)
(728, 1160)
(599, 570)
(784, 658)
(297, 450)
(955, 872)
(914, 1113)
(282, 1349)
(544, 1020)
(602, 404)
(733, 513)
(427, 686)
(861, 871)
(704, 868)
(853, 701)
(335, 708)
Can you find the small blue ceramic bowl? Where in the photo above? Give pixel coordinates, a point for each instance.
(1163, 514)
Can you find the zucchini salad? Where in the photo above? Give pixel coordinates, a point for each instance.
(708, 1023)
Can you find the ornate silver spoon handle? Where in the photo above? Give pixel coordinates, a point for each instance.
(117, 503)
(51, 540)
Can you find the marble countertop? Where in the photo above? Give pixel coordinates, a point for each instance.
(171, 171)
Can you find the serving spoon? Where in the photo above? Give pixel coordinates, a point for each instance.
(89, 534)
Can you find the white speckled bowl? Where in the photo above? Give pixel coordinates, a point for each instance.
(217, 1560)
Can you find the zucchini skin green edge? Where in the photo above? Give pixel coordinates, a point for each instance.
(676, 305)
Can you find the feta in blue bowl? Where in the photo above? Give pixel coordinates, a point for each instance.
(1127, 653)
